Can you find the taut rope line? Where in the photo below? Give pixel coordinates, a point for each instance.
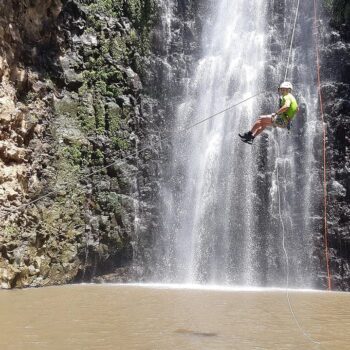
(120, 162)
(292, 40)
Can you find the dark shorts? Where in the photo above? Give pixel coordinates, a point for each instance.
(279, 122)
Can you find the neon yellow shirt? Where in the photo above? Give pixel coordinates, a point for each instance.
(293, 106)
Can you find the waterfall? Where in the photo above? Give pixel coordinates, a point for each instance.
(221, 220)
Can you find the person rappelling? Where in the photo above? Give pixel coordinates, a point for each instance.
(281, 119)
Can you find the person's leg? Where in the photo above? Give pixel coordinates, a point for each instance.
(261, 124)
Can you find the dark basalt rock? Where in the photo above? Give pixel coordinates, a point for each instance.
(91, 90)
(91, 66)
(335, 75)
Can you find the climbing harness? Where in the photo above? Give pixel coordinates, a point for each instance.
(279, 121)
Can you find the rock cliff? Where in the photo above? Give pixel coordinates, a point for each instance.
(335, 76)
(71, 108)
(88, 90)
(84, 99)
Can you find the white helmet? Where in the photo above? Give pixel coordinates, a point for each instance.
(286, 85)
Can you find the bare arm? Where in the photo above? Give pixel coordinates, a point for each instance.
(284, 108)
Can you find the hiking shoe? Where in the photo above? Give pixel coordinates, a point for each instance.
(247, 137)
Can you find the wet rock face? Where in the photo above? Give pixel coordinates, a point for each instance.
(70, 105)
(336, 91)
(175, 48)
(26, 48)
(21, 117)
(82, 109)
(84, 84)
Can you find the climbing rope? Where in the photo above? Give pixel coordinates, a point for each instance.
(292, 40)
(329, 279)
(184, 130)
(6, 212)
(306, 335)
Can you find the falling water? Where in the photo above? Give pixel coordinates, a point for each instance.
(221, 218)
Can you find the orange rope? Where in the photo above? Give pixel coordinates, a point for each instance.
(329, 278)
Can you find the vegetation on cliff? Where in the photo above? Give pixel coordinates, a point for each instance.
(80, 93)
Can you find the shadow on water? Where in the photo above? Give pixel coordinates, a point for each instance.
(199, 334)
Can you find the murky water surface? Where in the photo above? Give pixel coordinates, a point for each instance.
(131, 317)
